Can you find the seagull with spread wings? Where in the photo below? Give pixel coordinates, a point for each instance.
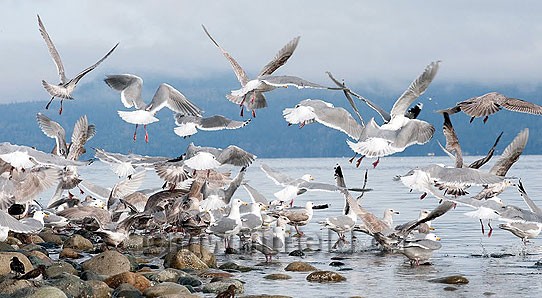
(65, 88)
(166, 96)
(251, 93)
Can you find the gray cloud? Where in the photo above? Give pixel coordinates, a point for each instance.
(387, 42)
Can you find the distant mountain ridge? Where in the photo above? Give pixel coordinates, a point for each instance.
(268, 134)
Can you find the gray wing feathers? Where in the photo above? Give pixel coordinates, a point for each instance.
(282, 56)
(415, 89)
(52, 50)
(511, 154)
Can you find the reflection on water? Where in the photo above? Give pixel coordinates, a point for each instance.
(499, 266)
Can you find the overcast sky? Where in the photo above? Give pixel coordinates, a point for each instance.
(384, 42)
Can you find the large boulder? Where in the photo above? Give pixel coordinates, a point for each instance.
(108, 263)
(5, 260)
(58, 268)
(10, 286)
(137, 280)
(184, 259)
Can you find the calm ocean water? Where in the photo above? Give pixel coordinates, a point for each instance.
(499, 266)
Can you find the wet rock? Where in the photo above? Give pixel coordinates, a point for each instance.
(214, 273)
(184, 258)
(165, 288)
(338, 258)
(325, 276)
(296, 253)
(58, 268)
(346, 269)
(6, 247)
(277, 276)
(298, 266)
(108, 263)
(10, 286)
(133, 242)
(135, 279)
(127, 291)
(189, 280)
(49, 245)
(90, 275)
(69, 253)
(48, 292)
(71, 285)
(38, 258)
(99, 289)
(234, 267)
(34, 247)
(78, 242)
(48, 236)
(451, 280)
(450, 289)
(5, 260)
(203, 254)
(489, 293)
(222, 285)
(336, 264)
(169, 274)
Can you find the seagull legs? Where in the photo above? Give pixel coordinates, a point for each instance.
(376, 162)
(49, 103)
(353, 157)
(135, 132)
(482, 224)
(60, 110)
(423, 196)
(490, 228)
(146, 134)
(359, 161)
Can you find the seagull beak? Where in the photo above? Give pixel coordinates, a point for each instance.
(244, 204)
(438, 238)
(397, 212)
(264, 207)
(431, 229)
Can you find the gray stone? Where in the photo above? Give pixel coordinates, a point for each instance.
(222, 285)
(127, 291)
(137, 280)
(169, 274)
(99, 289)
(165, 288)
(232, 266)
(57, 268)
(48, 236)
(203, 254)
(277, 276)
(71, 285)
(10, 286)
(48, 292)
(189, 280)
(108, 263)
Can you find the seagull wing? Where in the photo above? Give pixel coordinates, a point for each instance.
(130, 89)
(80, 75)
(510, 154)
(235, 156)
(237, 69)
(278, 177)
(219, 122)
(284, 81)
(167, 96)
(52, 50)
(282, 56)
(415, 89)
(82, 132)
(534, 208)
(53, 130)
(518, 105)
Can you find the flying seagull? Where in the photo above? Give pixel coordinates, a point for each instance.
(251, 93)
(65, 88)
(166, 96)
(490, 103)
(188, 125)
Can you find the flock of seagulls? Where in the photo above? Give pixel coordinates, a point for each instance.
(197, 195)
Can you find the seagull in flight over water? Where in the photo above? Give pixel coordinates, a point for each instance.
(64, 89)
